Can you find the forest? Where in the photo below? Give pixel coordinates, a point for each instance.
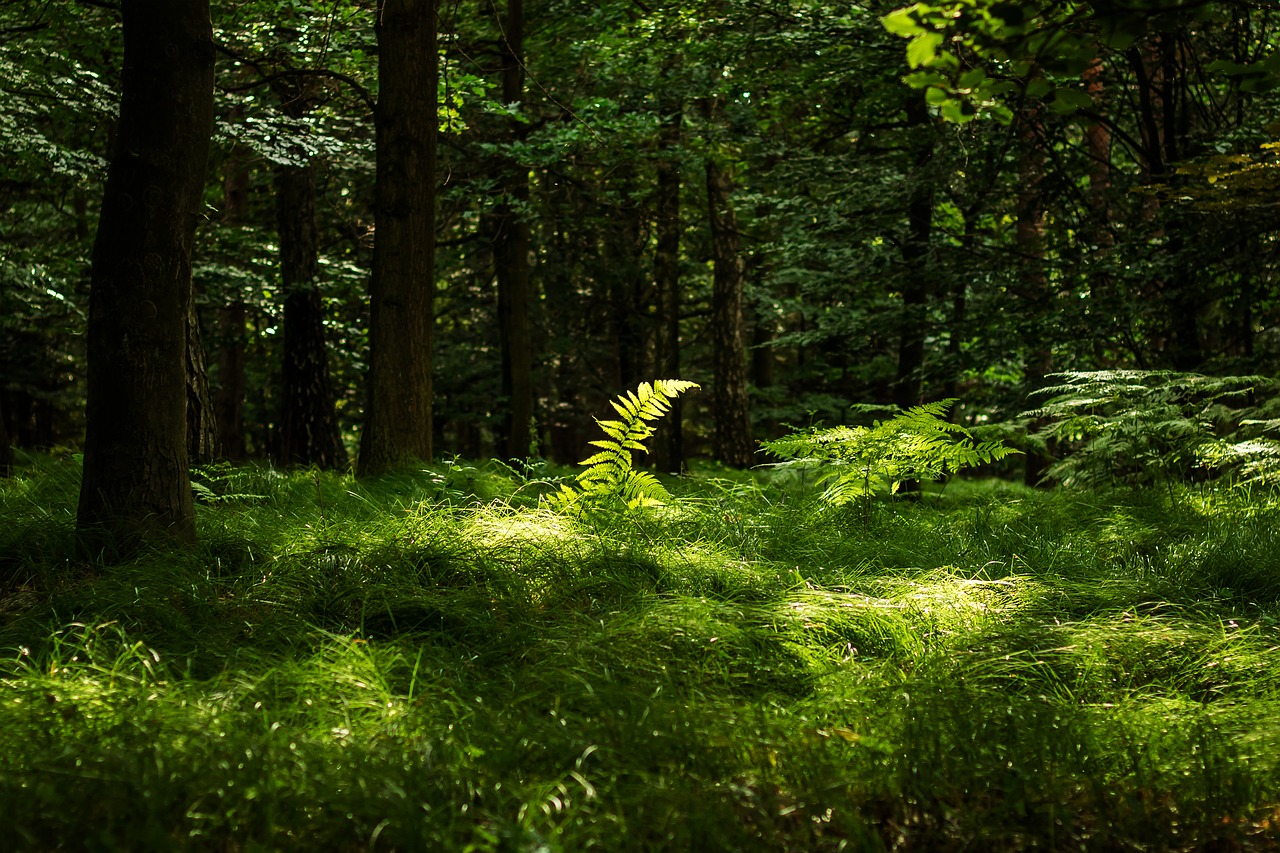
(540, 425)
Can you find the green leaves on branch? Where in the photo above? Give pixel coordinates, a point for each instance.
(857, 462)
(611, 476)
(971, 56)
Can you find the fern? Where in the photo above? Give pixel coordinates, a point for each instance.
(610, 474)
(1137, 427)
(857, 462)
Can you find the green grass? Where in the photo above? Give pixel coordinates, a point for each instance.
(432, 661)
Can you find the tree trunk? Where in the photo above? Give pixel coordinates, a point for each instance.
(136, 487)
(731, 437)
(621, 248)
(1097, 136)
(1037, 296)
(909, 383)
(228, 399)
(398, 422)
(669, 447)
(202, 423)
(6, 447)
(511, 241)
(309, 433)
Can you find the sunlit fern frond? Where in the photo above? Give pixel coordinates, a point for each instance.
(918, 444)
(610, 474)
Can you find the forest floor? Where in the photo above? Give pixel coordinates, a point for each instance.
(435, 661)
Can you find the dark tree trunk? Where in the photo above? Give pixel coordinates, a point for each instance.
(1097, 137)
(1036, 294)
(627, 298)
(1158, 84)
(511, 243)
(6, 447)
(398, 419)
(309, 433)
(228, 398)
(915, 256)
(731, 438)
(669, 447)
(136, 487)
(511, 261)
(202, 422)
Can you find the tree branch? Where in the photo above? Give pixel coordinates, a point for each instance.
(265, 79)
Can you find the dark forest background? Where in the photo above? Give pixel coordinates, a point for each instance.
(741, 194)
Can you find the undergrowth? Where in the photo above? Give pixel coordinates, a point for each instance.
(435, 660)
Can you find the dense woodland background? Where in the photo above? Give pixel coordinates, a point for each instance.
(742, 194)
(287, 272)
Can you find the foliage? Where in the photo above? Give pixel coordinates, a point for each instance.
(980, 56)
(424, 675)
(611, 475)
(1139, 427)
(856, 462)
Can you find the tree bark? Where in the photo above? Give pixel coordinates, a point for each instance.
(6, 447)
(398, 421)
(136, 487)
(909, 383)
(511, 242)
(731, 437)
(202, 423)
(669, 447)
(1097, 137)
(1036, 294)
(228, 398)
(621, 247)
(309, 433)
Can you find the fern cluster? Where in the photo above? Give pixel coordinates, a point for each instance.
(610, 474)
(857, 462)
(1139, 427)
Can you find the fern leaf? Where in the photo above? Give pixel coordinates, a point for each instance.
(609, 473)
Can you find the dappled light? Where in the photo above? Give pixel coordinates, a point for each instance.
(461, 669)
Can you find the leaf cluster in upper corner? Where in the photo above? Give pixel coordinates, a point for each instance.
(972, 57)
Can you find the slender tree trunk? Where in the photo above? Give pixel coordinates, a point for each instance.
(763, 362)
(1036, 294)
(228, 399)
(136, 487)
(731, 438)
(6, 446)
(309, 433)
(1161, 130)
(915, 256)
(202, 422)
(669, 448)
(511, 244)
(1097, 137)
(621, 246)
(398, 419)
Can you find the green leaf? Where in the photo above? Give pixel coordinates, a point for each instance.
(609, 474)
(1068, 101)
(901, 22)
(923, 49)
(959, 111)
